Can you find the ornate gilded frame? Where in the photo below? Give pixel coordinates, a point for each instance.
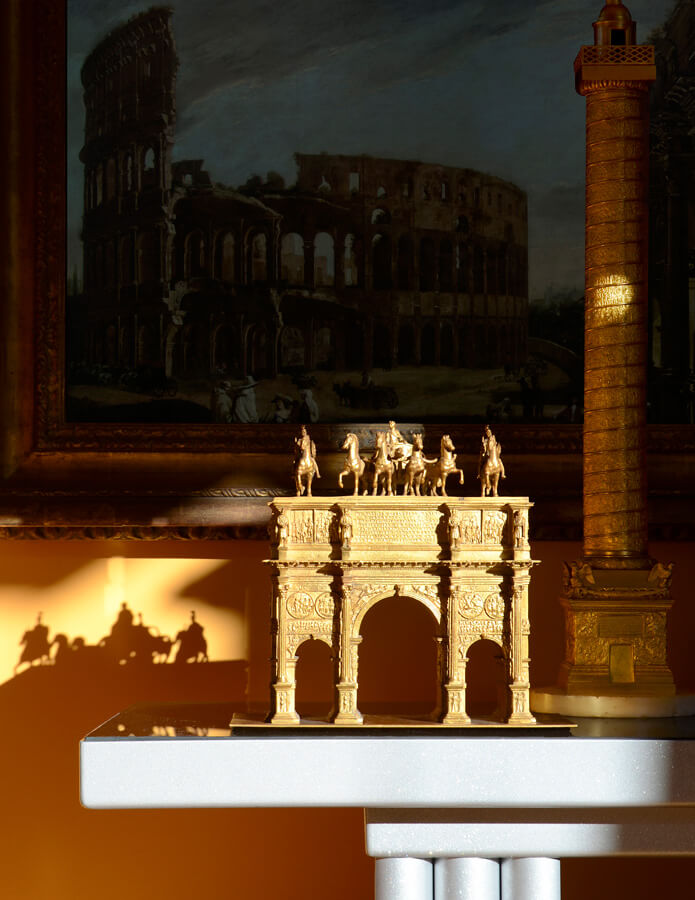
(65, 479)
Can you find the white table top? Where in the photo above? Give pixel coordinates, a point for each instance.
(169, 765)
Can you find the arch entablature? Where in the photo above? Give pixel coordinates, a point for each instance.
(467, 560)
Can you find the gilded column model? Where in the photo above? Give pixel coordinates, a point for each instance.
(614, 76)
(616, 599)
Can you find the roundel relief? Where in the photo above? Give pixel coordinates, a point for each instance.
(494, 606)
(471, 605)
(324, 606)
(300, 605)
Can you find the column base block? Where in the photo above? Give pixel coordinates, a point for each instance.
(285, 719)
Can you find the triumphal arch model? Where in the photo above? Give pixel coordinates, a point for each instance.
(466, 559)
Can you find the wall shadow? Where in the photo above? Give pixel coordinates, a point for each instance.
(53, 848)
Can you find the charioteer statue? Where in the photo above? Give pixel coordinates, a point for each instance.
(305, 465)
(490, 465)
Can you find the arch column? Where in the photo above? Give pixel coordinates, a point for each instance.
(519, 686)
(348, 713)
(456, 659)
(284, 661)
(285, 693)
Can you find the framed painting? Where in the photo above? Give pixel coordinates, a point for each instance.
(193, 275)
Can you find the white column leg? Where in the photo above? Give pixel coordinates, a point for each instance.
(404, 879)
(467, 878)
(536, 878)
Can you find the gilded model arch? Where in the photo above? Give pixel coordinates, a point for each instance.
(466, 560)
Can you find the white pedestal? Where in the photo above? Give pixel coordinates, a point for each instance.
(442, 811)
(404, 879)
(531, 879)
(467, 879)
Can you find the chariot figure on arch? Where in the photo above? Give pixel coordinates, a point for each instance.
(398, 449)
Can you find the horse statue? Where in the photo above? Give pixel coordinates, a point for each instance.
(353, 461)
(490, 465)
(437, 473)
(415, 468)
(381, 467)
(304, 462)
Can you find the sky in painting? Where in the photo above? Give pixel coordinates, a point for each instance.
(483, 84)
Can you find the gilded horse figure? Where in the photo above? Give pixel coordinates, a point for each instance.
(353, 461)
(490, 465)
(415, 468)
(304, 462)
(438, 473)
(380, 466)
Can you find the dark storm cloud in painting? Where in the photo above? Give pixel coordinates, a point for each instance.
(485, 84)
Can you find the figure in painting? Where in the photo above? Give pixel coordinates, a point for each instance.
(244, 409)
(308, 407)
(221, 405)
(490, 465)
(305, 466)
(282, 409)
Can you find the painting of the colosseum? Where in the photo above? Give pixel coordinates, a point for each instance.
(358, 284)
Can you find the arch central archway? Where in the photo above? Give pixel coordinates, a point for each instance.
(398, 658)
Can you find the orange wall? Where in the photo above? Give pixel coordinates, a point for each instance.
(52, 848)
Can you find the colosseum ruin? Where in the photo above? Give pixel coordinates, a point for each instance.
(363, 263)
